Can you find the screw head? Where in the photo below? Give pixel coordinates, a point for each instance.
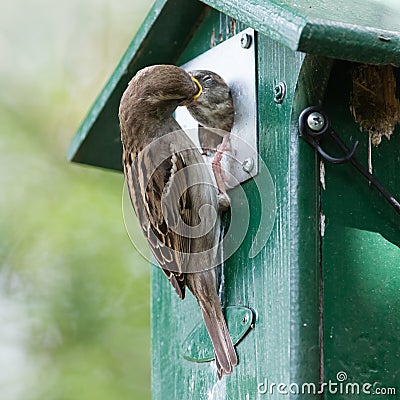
(248, 165)
(245, 40)
(279, 92)
(316, 121)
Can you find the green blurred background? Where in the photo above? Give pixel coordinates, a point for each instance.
(74, 293)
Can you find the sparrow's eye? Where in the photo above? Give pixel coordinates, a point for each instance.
(207, 79)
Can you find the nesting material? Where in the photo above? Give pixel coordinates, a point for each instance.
(373, 101)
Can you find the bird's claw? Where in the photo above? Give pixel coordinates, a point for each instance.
(224, 201)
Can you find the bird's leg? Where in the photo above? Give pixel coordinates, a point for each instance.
(219, 175)
(216, 164)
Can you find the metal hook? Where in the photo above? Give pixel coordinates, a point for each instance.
(313, 123)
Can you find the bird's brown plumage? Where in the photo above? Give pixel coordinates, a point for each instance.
(170, 187)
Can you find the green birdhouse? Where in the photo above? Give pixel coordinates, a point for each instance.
(312, 289)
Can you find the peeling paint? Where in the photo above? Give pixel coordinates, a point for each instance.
(322, 224)
(322, 174)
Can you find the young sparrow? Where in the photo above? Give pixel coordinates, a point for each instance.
(213, 108)
(171, 190)
(214, 111)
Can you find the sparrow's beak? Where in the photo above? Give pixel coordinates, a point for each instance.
(196, 96)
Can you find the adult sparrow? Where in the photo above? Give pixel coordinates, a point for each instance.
(173, 195)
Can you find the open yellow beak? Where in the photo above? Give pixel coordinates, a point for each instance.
(196, 96)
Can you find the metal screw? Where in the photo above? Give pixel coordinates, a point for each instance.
(316, 121)
(279, 92)
(248, 164)
(245, 40)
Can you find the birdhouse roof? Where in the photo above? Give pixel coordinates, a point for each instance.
(366, 31)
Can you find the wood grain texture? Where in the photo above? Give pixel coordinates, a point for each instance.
(360, 30)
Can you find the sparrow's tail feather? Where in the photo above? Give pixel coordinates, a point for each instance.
(202, 285)
(225, 353)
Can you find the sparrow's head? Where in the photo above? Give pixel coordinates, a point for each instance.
(159, 89)
(213, 106)
(149, 101)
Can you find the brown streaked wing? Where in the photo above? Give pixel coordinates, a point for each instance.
(169, 248)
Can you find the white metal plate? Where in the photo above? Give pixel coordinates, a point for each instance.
(236, 65)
